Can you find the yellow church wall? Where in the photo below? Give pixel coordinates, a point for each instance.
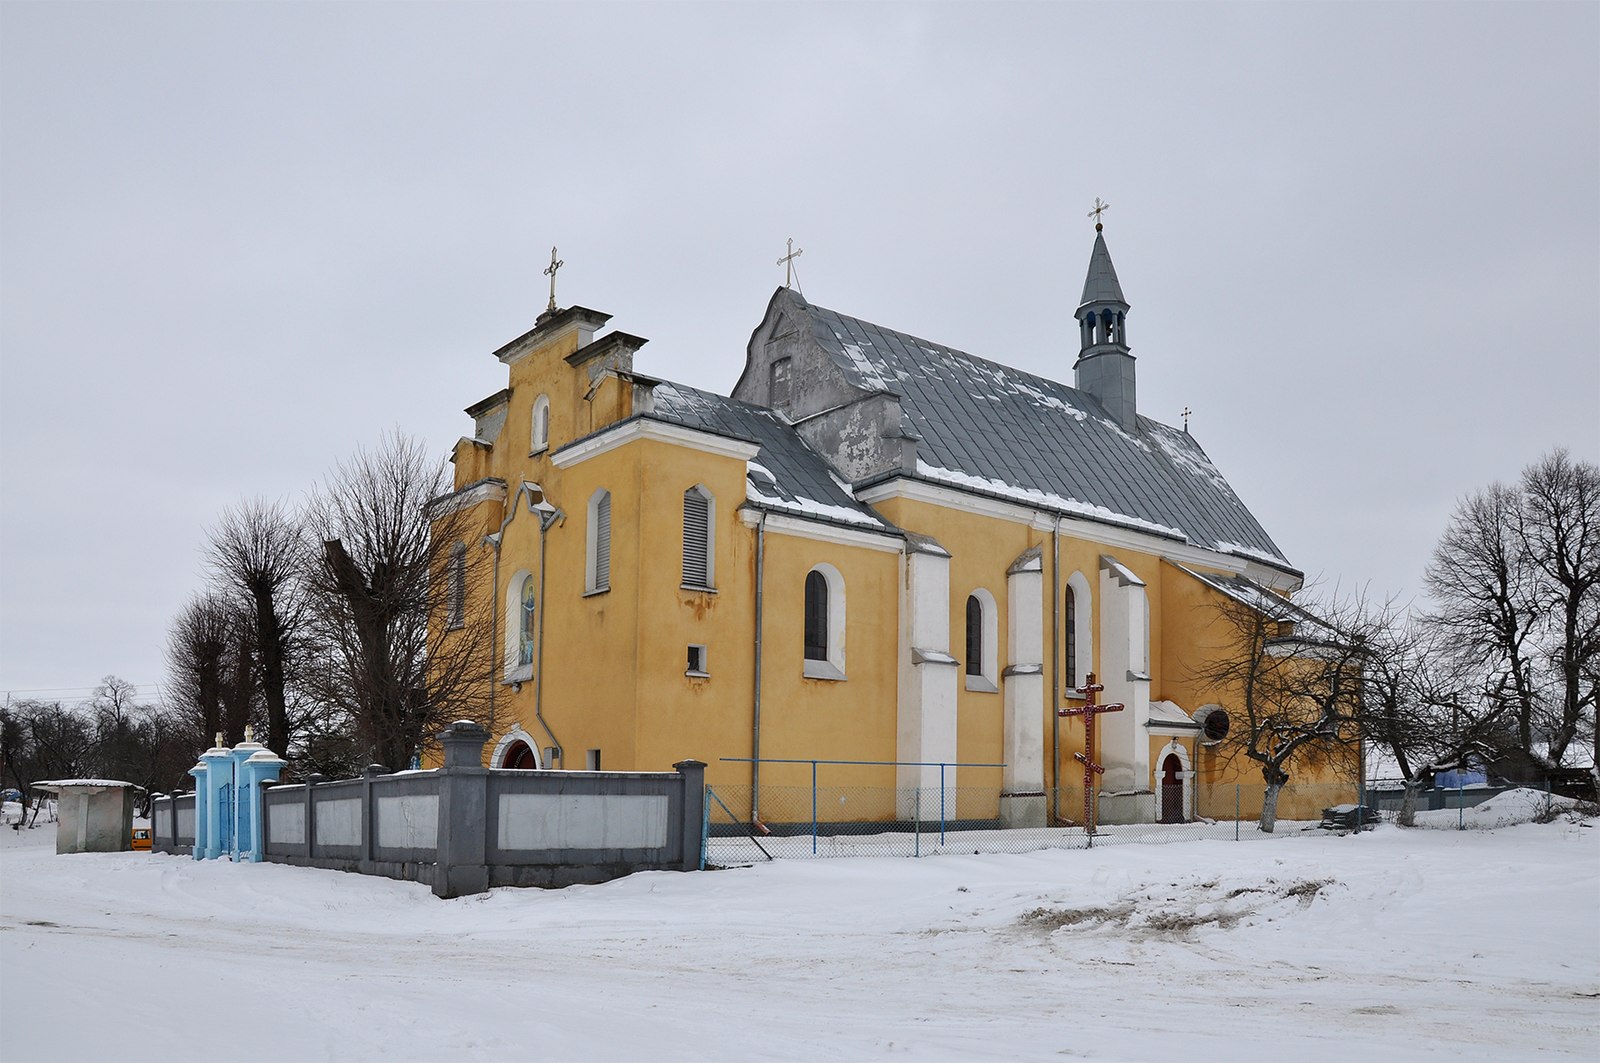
(1197, 636)
(849, 719)
(680, 716)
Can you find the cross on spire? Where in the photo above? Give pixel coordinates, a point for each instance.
(550, 271)
(1099, 209)
(1186, 412)
(787, 262)
(1089, 710)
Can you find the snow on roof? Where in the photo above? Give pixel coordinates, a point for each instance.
(1012, 433)
(1169, 714)
(61, 784)
(786, 475)
(1042, 499)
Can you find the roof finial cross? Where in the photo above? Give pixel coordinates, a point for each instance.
(1099, 209)
(787, 262)
(550, 271)
(1186, 412)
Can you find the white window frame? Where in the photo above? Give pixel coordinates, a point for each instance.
(596, 581)
(1083, 601)
(704, 671)
(711, 539)
(989, 632)
(539, 425)
(833, 666)
(514, 670)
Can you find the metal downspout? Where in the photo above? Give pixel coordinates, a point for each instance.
(755, 733)
(1055, 672)
(545, 520)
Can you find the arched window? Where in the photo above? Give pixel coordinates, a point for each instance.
(982, 641)
(458, 584)
(527, 614)
(519, 626)
(541, 423)
(521, 757)
(824, 623)
(597, 568)
(698, 538)
(816, 616)
(1077, 633)
(974, 635)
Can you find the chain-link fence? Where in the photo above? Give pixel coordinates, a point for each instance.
(836, 816)
(1480, 806)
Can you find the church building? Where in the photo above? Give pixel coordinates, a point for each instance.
(876, 549)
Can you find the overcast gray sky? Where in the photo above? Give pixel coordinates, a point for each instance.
(1361, 241)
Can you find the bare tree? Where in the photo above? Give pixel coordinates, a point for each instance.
(1296, 680)
(1561, 532)
(258, 550)
(1486, 587)
(399, 656)
(1516, 579)
(211, 671)
(1422, 711)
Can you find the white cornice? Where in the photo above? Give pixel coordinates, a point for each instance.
(823, 532)
(484, 491)
(638, 428)
(1109, 535)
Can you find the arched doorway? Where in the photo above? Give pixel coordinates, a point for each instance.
(518, 755)
(1171, 789)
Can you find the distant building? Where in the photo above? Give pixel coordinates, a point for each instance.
(878, 549)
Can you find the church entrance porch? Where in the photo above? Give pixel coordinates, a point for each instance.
(1171, 789)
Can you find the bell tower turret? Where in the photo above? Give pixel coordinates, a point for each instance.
(1104, 367)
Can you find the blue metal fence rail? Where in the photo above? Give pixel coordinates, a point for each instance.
(940, 764)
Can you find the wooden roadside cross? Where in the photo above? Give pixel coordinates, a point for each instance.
(1089, 710)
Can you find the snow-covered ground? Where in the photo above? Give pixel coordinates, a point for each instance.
(1387, 945)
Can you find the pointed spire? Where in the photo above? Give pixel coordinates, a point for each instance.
(1101, 285)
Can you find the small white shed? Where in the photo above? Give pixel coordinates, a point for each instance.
(93, 815)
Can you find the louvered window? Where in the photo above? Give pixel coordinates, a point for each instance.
(696, 538)
(974, 635)
(816, 616)
(458, 584)
(600, 541)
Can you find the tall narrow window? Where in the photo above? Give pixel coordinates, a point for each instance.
(1069, 620)
(526, 626)
(1077, 633)
(824, 624)
(599, 559)
(780, 384)
(541, 423)
(697, 538)
(816, 616)
(458, 584)
(983, 642)
(974, 636)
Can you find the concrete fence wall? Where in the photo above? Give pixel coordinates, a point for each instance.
(463, 829)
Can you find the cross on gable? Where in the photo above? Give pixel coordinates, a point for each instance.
(787, 262)
(550, 271)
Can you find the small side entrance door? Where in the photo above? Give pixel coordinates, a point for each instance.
(1171, 790)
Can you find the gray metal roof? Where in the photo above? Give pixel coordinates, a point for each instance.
(787, 475)
(989, 428)
(1101, 285)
